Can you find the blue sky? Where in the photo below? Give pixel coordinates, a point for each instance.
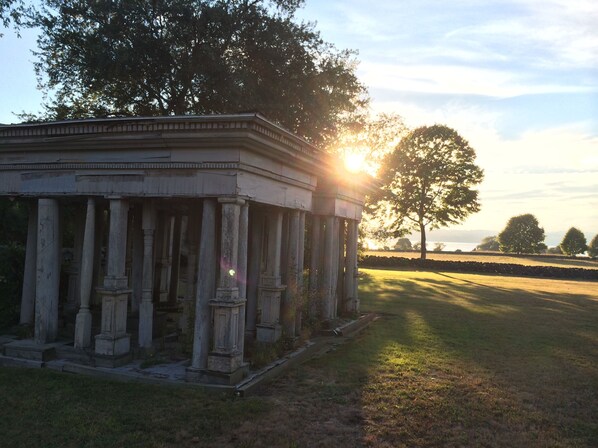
(517, 78)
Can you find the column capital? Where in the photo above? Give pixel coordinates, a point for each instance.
(231, 200)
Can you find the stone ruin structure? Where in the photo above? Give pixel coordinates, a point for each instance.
(203, 216)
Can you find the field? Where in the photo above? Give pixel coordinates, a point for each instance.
(454, 360)
(526, 260)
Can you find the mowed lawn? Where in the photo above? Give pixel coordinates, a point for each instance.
(453, 360)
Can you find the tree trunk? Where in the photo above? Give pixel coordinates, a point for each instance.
(422, 231)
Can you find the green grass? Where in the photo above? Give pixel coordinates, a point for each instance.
(454, 360)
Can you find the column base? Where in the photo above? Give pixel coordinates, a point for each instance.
(112, 361)
(268, 333)
(194, 375)
(225, 362)
(83, 330)
(112, 346)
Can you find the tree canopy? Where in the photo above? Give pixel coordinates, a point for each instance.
(489, 243)
(11, 12)
(177, 57)
(428, 182)
(403, 244)
(574, 242)
(522, 234)
(593, 247)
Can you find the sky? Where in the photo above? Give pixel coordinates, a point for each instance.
(517, 78)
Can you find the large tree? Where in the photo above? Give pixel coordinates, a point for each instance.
(574, 242)
(593, 247)
(428, 182)
(522, 235)
(11, 13)
(165, 57)
(489, 243)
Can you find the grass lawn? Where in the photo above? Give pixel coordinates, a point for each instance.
(454, 360)
(526, 260)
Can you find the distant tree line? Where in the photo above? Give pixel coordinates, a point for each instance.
(523, 235)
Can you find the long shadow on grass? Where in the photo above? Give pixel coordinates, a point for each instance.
(456, 361)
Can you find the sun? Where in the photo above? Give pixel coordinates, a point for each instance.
(354, 162)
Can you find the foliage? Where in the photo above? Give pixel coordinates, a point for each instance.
(133, 57)
(428, 182)
(522, 234)
(403, 244)
(13, 225)
(489, 243)
(574, 242)
(369, 138)
(11, 13)
(439, 247)
(12, 265)
(554, 250)
(593, 247)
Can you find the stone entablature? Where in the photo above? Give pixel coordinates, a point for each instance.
(236, 194)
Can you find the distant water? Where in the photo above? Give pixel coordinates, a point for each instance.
(451, 246)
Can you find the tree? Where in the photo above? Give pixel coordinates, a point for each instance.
(427, 182)
(554, 250)
(574, 242)
(11, 13)
(439, 247)
(403, 244)
(489, 243)
(593, 247)
(522, 234)
(177, 57)
(368, 138)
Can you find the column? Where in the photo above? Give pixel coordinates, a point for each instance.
(314, 267)
(29, 274)
(326, 289)
(113, 343)
(72, 299)
(270, 289)
(226, 357)
(193, 229)
(98, 267)
(300, 287)
(334, 267)
(253, 272)
(175, 261)
(290, 298)
(352, 304)
(242, 270)
(83, 320)
(146, 307)
(47, 271)
(206, 289)
(137, 258)
(340, 276)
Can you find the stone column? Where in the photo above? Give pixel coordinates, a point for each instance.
(328, 270)
(206, 286)
(29, 275)
(254, 271)
(340, 276)
(314, 266)
(83, 320)
(113, 343)
(146, 307)
(300, 262)
(270, 289)
(290, 298)
(47, 271)
(193, 228)
(175, 262)
(137, 260)
(226, 358)
(98, 266)
(73, 300)
(334, 267)
(351, 303)
(242, 270)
